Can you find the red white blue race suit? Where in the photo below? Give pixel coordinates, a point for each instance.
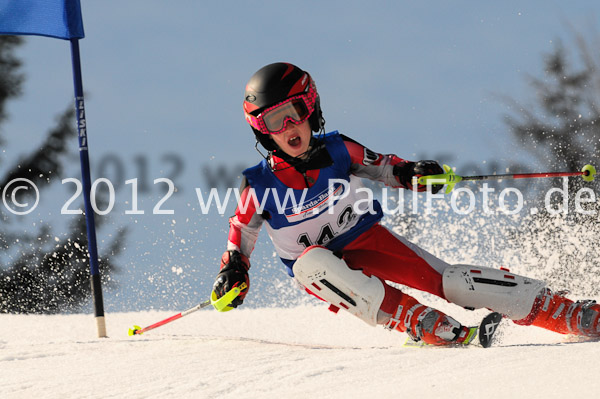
(327, 207)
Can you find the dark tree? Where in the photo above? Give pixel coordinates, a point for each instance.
(10, 77)
(562, 131)
(43, 271)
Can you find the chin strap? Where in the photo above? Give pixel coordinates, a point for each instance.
(317, 157)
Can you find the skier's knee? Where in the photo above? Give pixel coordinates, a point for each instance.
(483, 287)
(329, 277)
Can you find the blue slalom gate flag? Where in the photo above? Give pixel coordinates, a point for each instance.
(60, 19)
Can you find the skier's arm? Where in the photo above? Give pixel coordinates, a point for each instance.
(244, 227)
(388, 168)
(245, 224)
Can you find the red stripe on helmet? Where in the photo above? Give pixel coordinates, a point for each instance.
(300, 85)
(248, 107)
(289, 70)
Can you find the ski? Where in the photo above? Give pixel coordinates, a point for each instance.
(485, 332)
(488, 328)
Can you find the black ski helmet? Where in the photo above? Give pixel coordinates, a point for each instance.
(275, 83)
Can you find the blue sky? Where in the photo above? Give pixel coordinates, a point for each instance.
(394, 75)
(167, 78)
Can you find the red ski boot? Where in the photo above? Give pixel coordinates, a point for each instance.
(557, 313)
(427, 324)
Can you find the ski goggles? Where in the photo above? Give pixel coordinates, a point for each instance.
(295, 109)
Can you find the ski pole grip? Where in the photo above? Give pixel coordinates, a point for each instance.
(444, 178)
(449, 179)
(222, 304)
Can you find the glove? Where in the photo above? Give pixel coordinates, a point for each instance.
(234, 272)
(405, 173)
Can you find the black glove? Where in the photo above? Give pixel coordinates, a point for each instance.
(407, 171)
(234, 272)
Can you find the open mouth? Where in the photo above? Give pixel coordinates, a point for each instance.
(294, 141)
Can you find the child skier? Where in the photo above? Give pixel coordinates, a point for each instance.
(332, 242)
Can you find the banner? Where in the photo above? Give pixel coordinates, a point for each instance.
(60, 19)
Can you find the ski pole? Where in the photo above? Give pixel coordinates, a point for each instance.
(220, 304)
(449, 178)
(137, 330)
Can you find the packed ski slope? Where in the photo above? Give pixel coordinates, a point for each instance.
(295, 348)
(299, 352)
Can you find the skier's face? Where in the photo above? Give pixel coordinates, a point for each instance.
(295, 139)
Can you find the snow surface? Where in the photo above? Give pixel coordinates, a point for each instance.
(298, 352)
